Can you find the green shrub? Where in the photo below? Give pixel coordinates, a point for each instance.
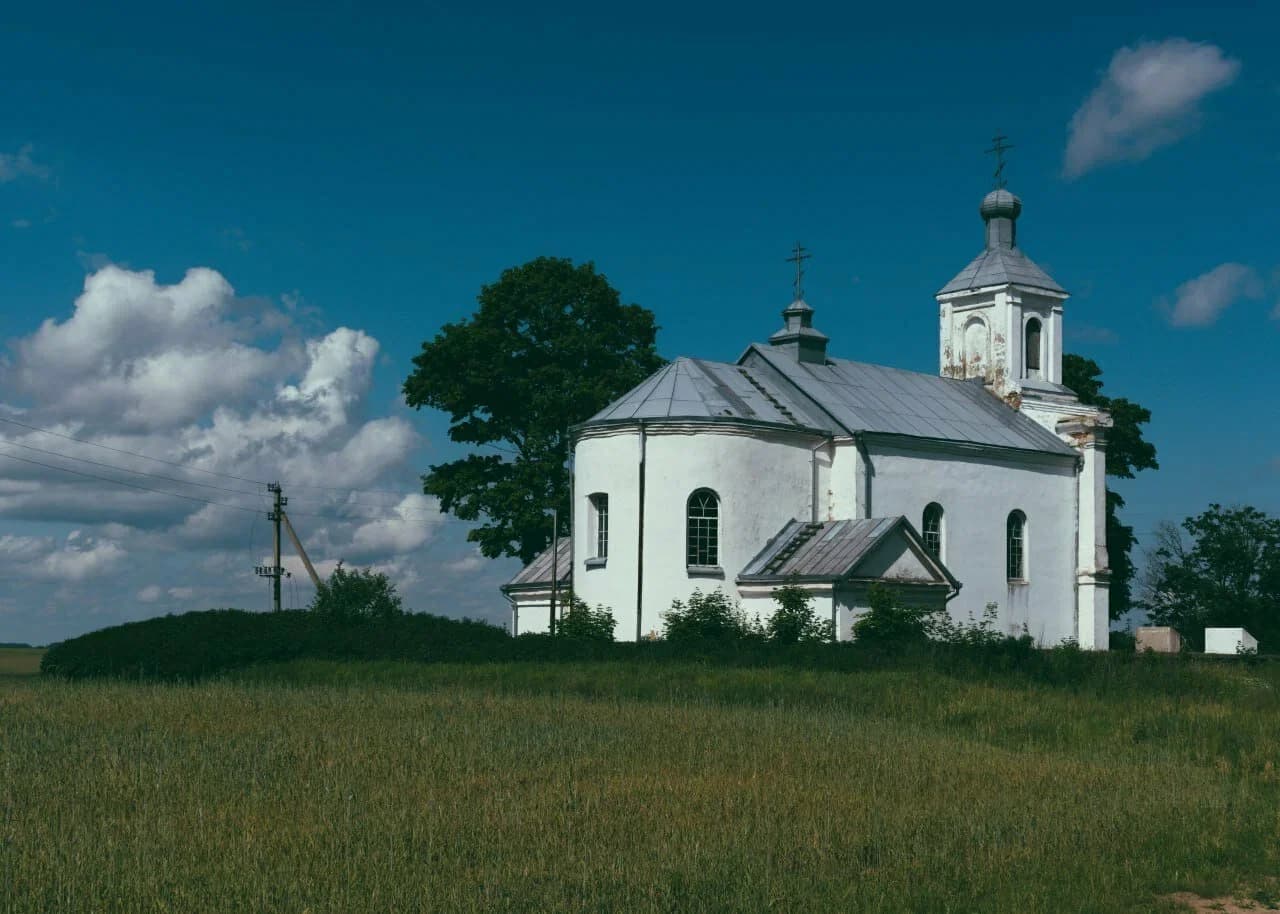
(198, 644)
(357, 594)
(890, 623)
(582, 623)
(794, 620)
(711, 617)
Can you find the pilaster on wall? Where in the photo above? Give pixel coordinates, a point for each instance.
(1093, 574)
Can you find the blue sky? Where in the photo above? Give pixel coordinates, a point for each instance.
(370, 167)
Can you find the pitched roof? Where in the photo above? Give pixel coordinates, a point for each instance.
(998, 266)
(833, 550)
(696, 389)
(537, 574)
(860, 397)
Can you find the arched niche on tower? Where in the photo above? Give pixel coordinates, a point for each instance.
(977, 347)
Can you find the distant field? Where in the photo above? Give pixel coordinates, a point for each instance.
(616, 787)
(20, 661)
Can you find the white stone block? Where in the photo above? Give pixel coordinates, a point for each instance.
(1228, 641)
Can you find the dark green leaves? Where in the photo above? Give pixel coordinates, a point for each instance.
(550, 345)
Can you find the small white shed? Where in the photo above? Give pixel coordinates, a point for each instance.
(1228, 641)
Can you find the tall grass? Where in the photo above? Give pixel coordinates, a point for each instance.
(636, 787)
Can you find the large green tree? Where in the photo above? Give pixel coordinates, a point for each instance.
(1128, 452)
(1227, 574)
(550, 345)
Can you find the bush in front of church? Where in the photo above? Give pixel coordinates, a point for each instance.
(794, 621)
(580, 622)
(889, 623)
(709, 617)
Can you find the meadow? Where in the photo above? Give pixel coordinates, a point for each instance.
(20, 661)
(683, 787)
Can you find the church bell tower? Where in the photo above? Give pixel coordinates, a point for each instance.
(1001, 316)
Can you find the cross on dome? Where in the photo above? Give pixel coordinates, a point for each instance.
(798, 257)
(999, 148)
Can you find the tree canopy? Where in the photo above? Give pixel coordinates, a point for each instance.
(361, 593)
(1228, 574)
(1128, 452)
(550, 345)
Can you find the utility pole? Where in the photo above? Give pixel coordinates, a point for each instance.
(302, 553)
(555, 564)
(275, 570)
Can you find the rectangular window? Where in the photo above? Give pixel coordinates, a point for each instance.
(600, 506)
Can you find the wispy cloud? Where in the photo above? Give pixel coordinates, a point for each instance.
(1149, 97)
(1199, 302)
(20, 164)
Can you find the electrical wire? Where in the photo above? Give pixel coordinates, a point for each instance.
(131, 485)
(45, 431)
(119, 469)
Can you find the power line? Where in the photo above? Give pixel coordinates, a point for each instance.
(118, 450)
(119, 469)
(182, 466)
(131, 485)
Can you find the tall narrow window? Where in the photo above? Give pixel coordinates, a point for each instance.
(600, 516)
(1033, 346)
(1016, 550)
(932, 529)
(703, 529)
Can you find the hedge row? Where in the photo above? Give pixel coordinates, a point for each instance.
(199, 644)
(202, 644)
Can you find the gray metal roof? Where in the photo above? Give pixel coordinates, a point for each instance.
(840, 398)
(829, 550)
(860, 397)
(537, 574)
(696, 389)
(998, 266)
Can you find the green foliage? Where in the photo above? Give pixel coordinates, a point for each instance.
(579, 622)
(358, 594)
(975, 633)
(1228, 575)
(1128, 452)
(794, 620)
(200, 644)
(889, 623)
(550, 345)
(710, 617)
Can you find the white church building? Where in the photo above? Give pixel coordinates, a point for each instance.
(982, 483)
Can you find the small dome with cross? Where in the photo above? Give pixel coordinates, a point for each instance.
(1000, 203)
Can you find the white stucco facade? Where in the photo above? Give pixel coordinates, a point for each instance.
(1008, 462)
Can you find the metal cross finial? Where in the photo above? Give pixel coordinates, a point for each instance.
(798, 257)
(999, 147)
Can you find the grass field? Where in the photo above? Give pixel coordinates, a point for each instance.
(20, 661)
(615, 787)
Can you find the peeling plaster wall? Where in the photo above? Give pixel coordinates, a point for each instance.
(977, 493)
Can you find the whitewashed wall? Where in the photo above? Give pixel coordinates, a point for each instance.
(977, 493)
(764, 479)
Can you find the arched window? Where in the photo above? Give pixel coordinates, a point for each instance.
(702, 540)
(932, 529)
(1016, 546)
(1033, 346)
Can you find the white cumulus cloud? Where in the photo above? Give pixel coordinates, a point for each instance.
(1199, 302)
(1149, 97)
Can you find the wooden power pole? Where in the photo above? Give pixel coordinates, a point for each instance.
(275, 570)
